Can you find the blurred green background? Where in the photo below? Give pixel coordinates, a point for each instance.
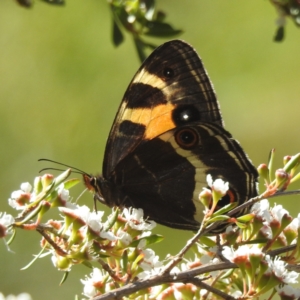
(61, 82)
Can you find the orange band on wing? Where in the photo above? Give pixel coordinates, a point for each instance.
(161, 121)
(157, 120)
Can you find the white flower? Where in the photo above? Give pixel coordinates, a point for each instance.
(243, 252)
(267, 231)
(5, 221)
(64, 197)
(20, 198)
(90, 219)
(228, 253)
(278, 268)
(255, 250)
(80, 212)
(96, 278)
(63, 193)
(93, 221)
(135, 219)
(288, 291)
(150, 264)
(209, 180)
(205, 259)
(260, 206)
(150, 261)
(22, 296)
(230, 229)
(295, 224)
(218, 185)
(26, 187)
(203, 292)
(237, 294)
(133, 213)
(278, 212)
(145, 234)
(124, 237)
(261, 210)
(175, 271)
(293, 227)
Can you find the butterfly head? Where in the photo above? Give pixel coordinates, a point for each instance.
(92, 184)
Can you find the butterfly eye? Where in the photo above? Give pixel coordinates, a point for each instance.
(186, 138)
(168, 73)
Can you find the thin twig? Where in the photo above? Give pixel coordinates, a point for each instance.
(281, 250)
(111, 273)
(199, 282)
(177, 258)
(57, 249)
(184, 276)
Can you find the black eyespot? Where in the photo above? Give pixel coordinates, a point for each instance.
(185, 114)
(187, 138)
(168, 73)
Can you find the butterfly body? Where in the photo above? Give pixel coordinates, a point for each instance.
(167, 136)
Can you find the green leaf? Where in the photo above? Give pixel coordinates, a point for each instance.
(225, 209)
(111, 219)
(207, 241)
(271, 163)
(65, 277)
(279, 35)
(241, 225)
(35, 258)
(245, 218)
(119, 14)
(55, 2)
(160, 16)
(152, 239)
(60, 179)
(257, 241)
(159, 29)
(292, 163)
(218, 218)
(125, 261)
(30, 215)
(12, 237)
(70, 183)
(117, 34)
(25, 3)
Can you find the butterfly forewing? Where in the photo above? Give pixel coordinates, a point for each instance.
(170, 87)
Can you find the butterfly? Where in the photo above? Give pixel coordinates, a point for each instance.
(167, 136)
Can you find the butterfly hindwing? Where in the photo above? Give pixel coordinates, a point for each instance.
(164, 176)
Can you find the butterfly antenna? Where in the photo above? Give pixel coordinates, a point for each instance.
(76, 170)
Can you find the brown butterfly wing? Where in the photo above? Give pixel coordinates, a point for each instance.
(164, 176)
(171, 88)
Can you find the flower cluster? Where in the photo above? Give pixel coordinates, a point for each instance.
(257, 253)
(23, 296)
(259, 272)
(81, 236)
